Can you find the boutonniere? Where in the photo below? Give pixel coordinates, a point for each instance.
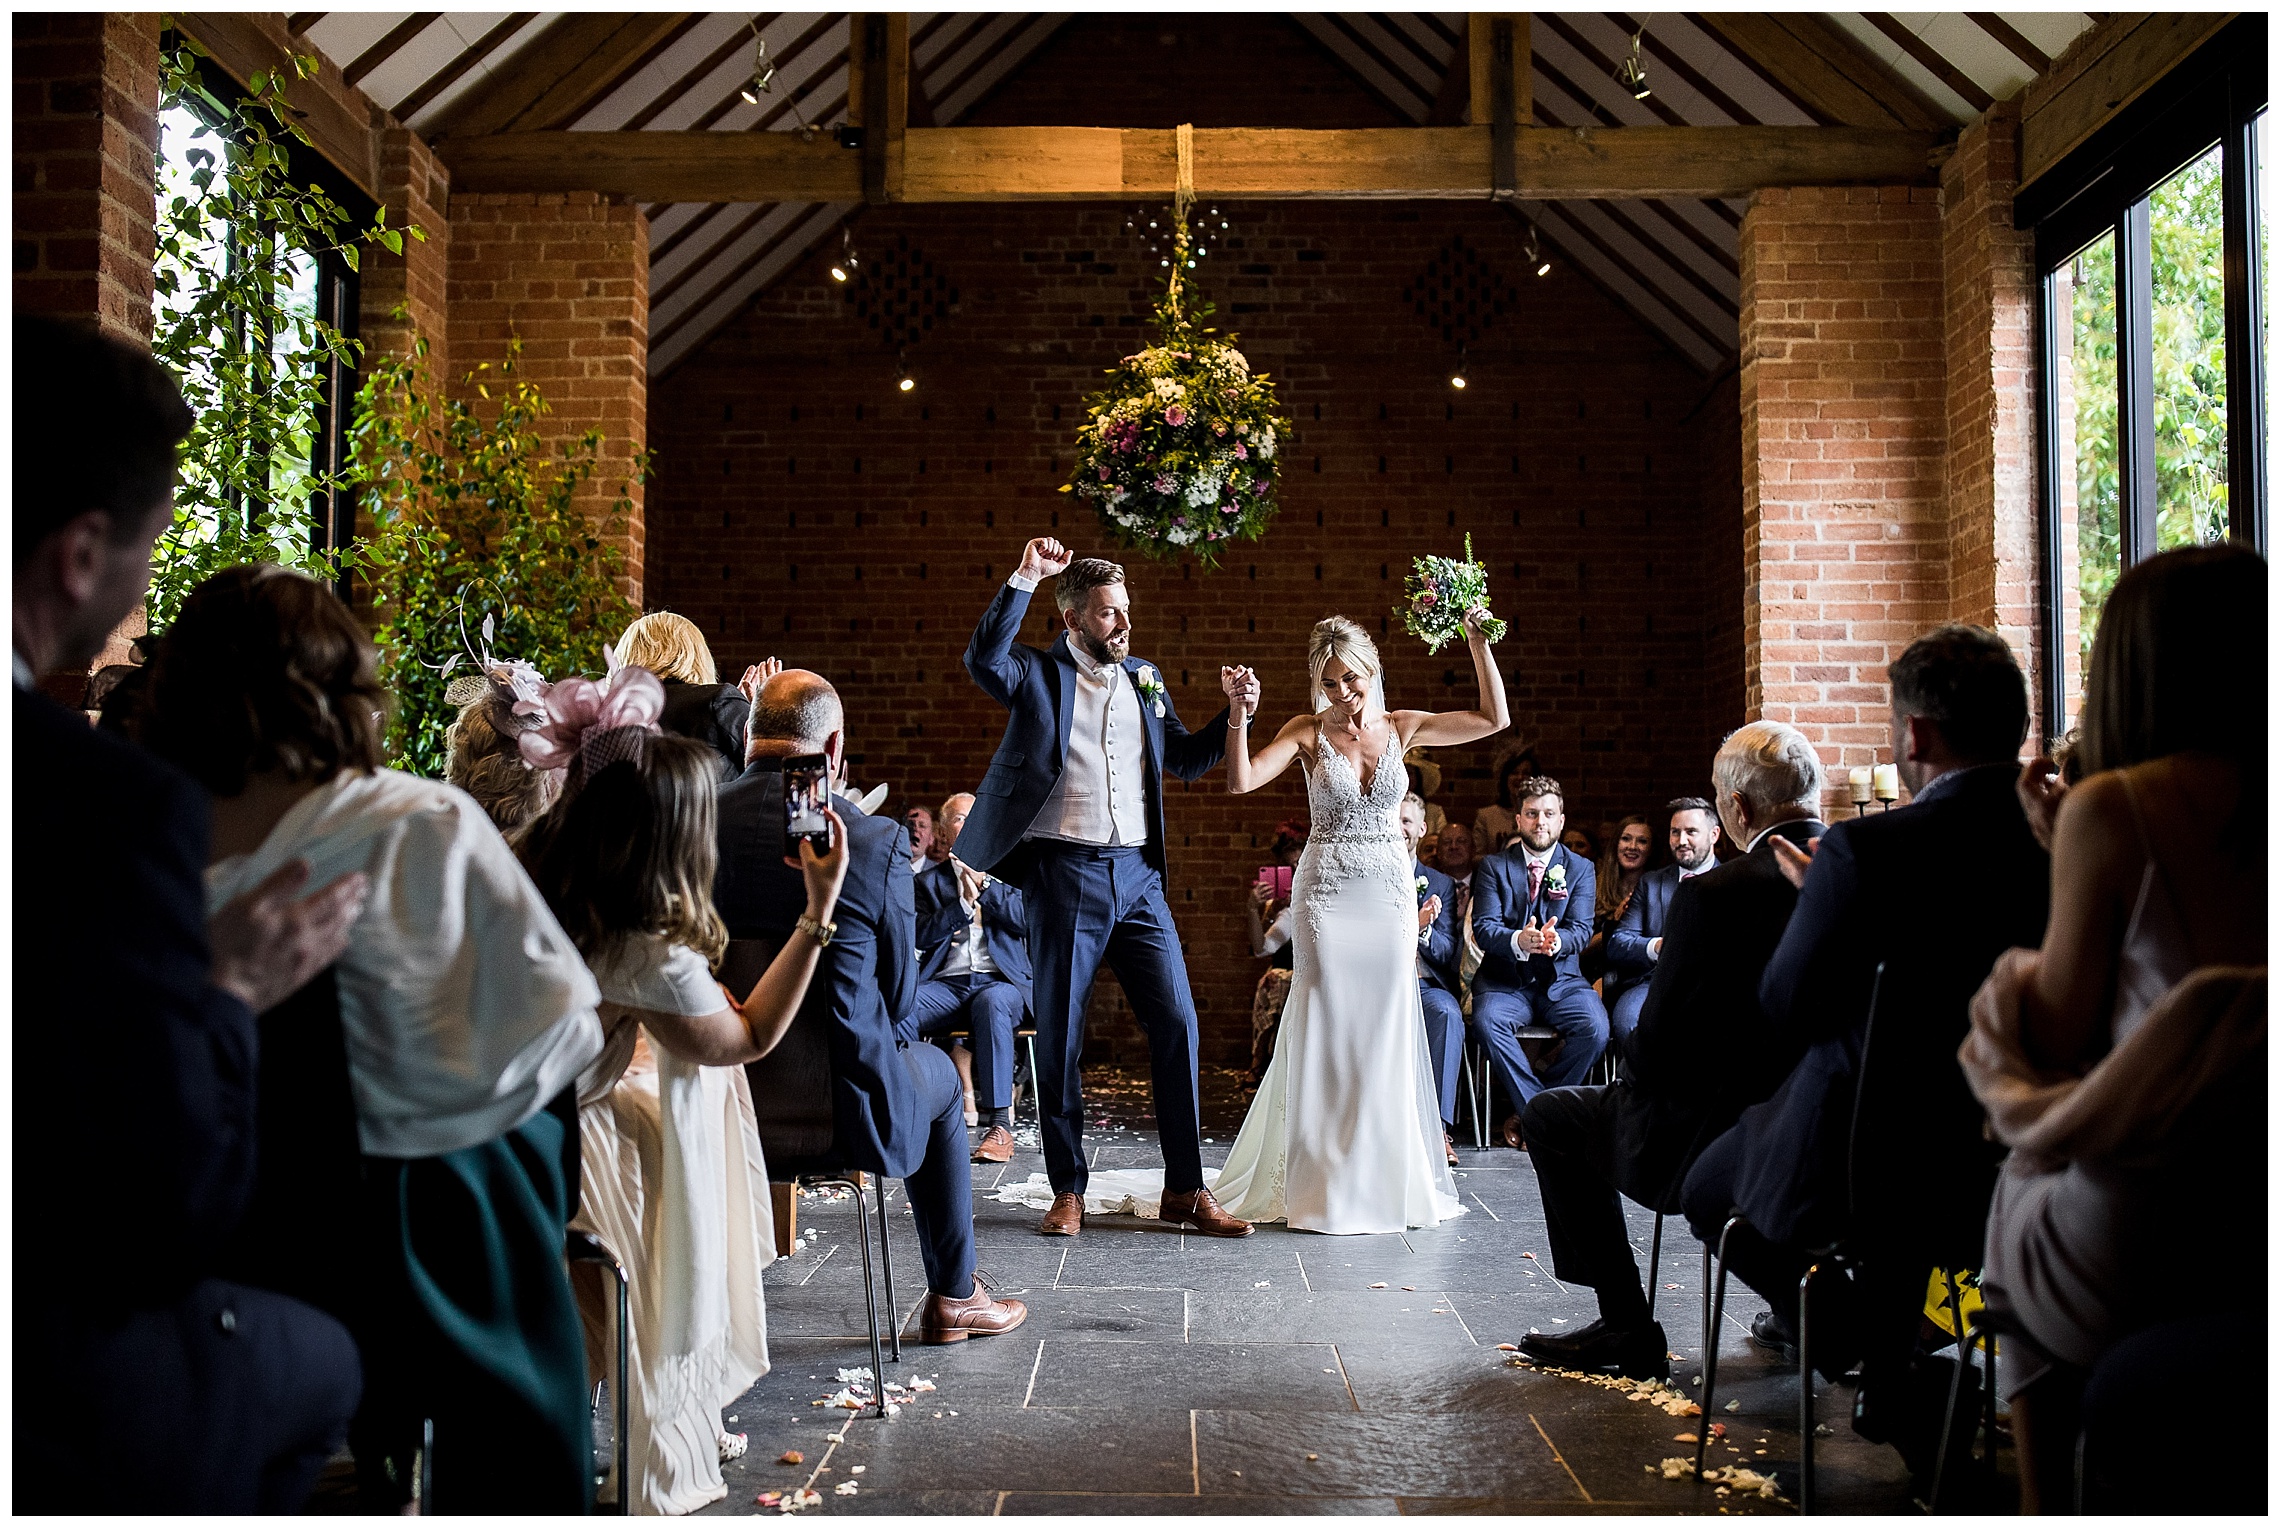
(1151, 688)
(1421, 883)
(1555, 882)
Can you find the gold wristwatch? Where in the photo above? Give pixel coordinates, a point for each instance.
(823, 932)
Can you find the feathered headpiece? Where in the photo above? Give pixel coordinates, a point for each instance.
(515, 692)
(589, 726)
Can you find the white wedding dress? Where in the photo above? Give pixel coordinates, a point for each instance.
(1344, 1135)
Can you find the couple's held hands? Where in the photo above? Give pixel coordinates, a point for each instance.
(1043, 558)
(269, 941)
(824, 873)
(1242, 689)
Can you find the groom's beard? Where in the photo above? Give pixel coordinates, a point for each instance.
(1113, 650)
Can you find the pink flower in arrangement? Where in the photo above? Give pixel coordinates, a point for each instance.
(1179, 520)
(1242, 452)
(1165, 483)
(1104, 474)
(1219, 429)
(1427, 599)
(1175, 416)
(1230, 508)
(1259, 486)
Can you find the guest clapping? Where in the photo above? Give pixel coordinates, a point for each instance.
(419, 1145)
(1440, 939)
(675, 1183)
(896, 1105)
(1636, 943)
(973, 973)
(147, 1380)
(697, 704)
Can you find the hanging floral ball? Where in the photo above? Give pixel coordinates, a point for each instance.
(1182, 450)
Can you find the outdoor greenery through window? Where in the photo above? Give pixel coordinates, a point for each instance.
(2091, 437)
(2188, 250)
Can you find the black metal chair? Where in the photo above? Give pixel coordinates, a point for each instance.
(791, 1102)
(586, 1247)
(1944, 1230)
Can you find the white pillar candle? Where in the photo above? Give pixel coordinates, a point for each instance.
(1888, 782)
(1860, 786)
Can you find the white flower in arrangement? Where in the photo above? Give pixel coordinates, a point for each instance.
(1169, 391)
(1265, 445)
(1203, 488)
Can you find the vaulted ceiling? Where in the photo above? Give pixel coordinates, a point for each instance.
(1672, 262)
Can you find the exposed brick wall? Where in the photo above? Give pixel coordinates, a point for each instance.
(1844, 435)
(1993, 542)
(805, 509)
(415, 188)
(1720, 578)
(86, 130)
(567, 275)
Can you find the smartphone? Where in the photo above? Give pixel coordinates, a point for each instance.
(807, 788)
(1277, 876)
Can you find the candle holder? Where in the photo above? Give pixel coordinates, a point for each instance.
(1858, 781)
(1885, 782)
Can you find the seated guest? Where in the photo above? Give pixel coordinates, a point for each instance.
(973, 973)
(1493, 825)
(2123, 1063)
(1959, 711)
(1425, 783)
(1456, 857)
(1702, 1051)
(1532, 918)
(674, 1181)
(920, 823)
(1269, 914)
(697, 704)
(485, 757)
(1636, 944)
(895, 1103)
(1619, 869)
(1580, 839)
(232, 1397)
(419, 1145)
(1438, 941)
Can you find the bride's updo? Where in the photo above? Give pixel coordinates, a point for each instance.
(1337, 638)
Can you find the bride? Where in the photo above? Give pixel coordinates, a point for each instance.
(1344, 1135)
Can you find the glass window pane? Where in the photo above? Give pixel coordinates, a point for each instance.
(2188, 250)
(2089, 470)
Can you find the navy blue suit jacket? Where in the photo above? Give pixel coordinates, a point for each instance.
(1935, 890)
(1440, 950)
(1039, 688)
(1501, 908)
(868, 976)
(942, 920)
(1643, 921)
(111, 847)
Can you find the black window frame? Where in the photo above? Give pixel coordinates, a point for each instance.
(339, 302)
(2212, 100)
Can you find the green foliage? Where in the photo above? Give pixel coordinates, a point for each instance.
(1181, 450)
(237, 248)
(2191, 492)
(477, 521)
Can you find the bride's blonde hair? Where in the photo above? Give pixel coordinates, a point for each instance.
(1338, 638)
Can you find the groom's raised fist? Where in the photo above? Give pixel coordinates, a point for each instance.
(1043, 558)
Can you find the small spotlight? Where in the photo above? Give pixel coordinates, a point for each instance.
(848, 262)
(1532, 252)
(1457, 377)
(906, 384)
(1458, 381)
(1631, 73)
(839, 273)
(1544, 269)
(763, 72)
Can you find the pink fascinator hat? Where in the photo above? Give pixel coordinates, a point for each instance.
(591, 724)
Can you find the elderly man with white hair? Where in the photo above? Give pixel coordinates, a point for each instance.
(1702, 1052)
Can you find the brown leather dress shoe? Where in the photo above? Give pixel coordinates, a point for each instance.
(996, 1145)
(1200, 1212)
(980, 1314)
(1449, 1144)
(1066, 1218)
(1511, 1133)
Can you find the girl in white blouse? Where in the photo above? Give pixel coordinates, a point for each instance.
(673, 1181)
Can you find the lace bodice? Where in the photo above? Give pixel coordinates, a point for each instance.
(1355, 838)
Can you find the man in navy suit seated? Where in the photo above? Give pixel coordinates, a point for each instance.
(1440, 945)
(144, 1384)
(897, 1108)
(1532, 908)
(1636, 945)
(973, 972)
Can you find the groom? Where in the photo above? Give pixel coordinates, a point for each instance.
(1072, 811)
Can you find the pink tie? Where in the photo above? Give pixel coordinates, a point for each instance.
(1535, 881)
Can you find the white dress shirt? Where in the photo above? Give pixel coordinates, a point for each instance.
(970, 951)
(1101, 797)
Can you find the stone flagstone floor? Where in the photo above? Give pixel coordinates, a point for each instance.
(1162, 1372)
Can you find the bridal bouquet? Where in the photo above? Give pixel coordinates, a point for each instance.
(1439, 592)
(1180, 449)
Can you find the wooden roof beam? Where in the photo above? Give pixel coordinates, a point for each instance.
(1031, 164)
(571, 65)
(1830, 74)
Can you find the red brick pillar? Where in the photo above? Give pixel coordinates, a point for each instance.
(85, 149)
(1993, 540)
(569, 276)
(1844, 437)
(416, 189)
